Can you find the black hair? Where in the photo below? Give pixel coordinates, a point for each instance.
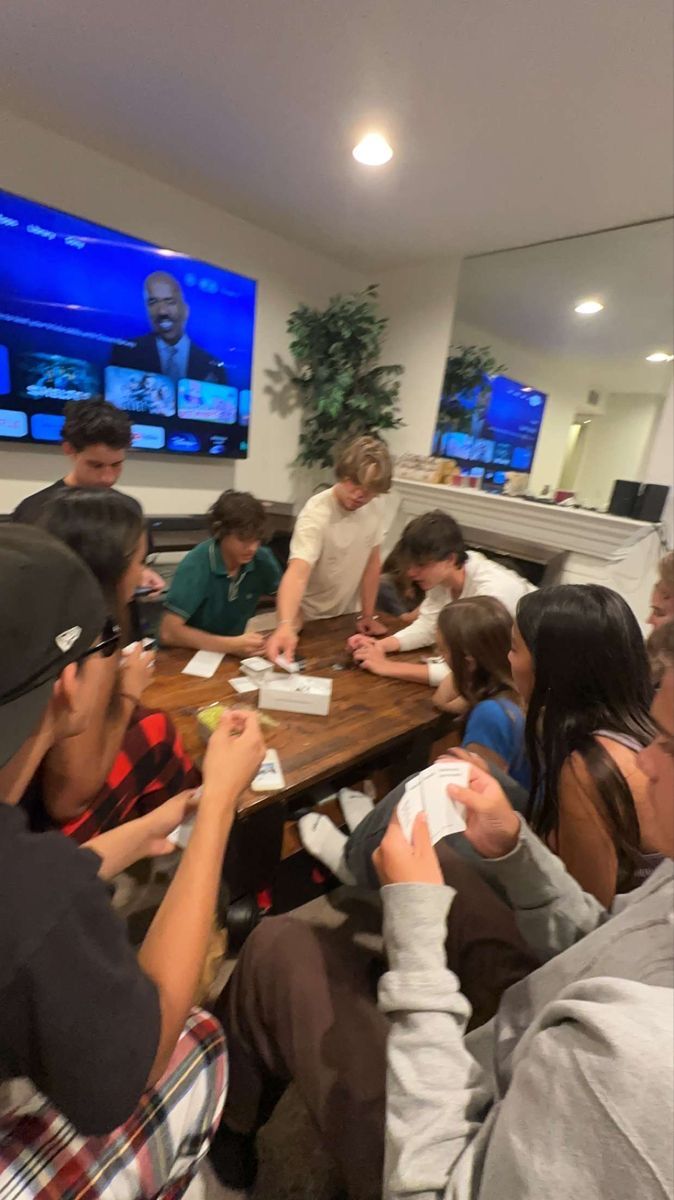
(102, 526)
(433, 537)
(95, 422)
(591, 673)
(239, 513)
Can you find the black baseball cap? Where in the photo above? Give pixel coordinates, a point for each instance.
(51, 611)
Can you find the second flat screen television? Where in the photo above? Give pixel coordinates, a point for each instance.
(493, 427)
(86, 311)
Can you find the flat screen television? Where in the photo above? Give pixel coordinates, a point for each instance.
(495, 426)
(86, 311)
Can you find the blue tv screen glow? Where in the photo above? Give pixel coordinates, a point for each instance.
(496, 426)
(86, 311)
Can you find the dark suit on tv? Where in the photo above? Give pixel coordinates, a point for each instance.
(144, 356)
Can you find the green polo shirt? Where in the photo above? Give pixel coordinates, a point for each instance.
(207, 598)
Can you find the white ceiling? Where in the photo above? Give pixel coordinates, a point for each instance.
(512, 121)
(528, 295)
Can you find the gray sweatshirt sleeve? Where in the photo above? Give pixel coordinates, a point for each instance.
(436, 1096)
(568, 1124)
(552, 910)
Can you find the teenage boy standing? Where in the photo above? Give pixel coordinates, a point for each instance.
(335, 549)
(218, 585)
(96, 437)
(105, 1037)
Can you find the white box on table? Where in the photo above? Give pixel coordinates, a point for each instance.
(296, 693)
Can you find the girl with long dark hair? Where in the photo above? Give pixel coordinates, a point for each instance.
(579, 662)
(130, 758)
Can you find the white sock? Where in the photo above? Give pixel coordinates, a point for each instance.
(326, 842)
(355, 806)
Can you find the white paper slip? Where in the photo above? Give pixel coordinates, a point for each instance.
(241, 684)
(285, 665)
(204, 664)
(182, 833)
(409, 807)
(427, 793)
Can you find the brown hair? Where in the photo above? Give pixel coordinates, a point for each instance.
(239, 513)
(365, 461)
(433, 537)
(478, 628)
(666, 573)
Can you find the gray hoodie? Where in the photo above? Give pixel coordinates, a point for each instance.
(568, 1093)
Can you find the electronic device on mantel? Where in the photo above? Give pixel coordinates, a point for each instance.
(641, 501)
(89, 312)
(493, 427)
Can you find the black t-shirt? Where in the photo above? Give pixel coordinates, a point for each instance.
(78, 1016)
(30, 509)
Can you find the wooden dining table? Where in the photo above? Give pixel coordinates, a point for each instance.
(373, 721)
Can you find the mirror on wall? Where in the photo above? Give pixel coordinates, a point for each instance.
(560, 363)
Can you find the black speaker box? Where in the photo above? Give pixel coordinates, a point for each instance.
(650, 502)
(624, 497)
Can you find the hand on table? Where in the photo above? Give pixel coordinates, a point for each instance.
(492, 825)
(247, 644)
(372, 658)
(282, 641)
(235, 750)
(152, 579)
(136, 671)
(357, 641)
(397, 861)
(370, 626)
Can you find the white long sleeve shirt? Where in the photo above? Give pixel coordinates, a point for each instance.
(483, 578)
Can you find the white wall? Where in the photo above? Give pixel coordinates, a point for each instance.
(419, 301)
(51, 169)
(658, 465)
(567, 382)
(614, 446)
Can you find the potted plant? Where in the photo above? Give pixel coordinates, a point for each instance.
(467, 371)
(343, 388)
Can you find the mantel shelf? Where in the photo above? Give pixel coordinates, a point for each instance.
(522, 527)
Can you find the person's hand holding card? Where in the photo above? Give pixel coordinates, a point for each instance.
(398, 860)
(492, 825)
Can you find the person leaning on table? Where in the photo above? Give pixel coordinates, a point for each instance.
(335, 552)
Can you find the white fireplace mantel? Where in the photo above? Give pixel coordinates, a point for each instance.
(576, 546)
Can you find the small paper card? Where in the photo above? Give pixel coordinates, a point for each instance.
(241, 684)
(204, 664)
(427, 793)
(282, 662)
(182, 833)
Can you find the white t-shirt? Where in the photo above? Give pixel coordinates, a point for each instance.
(338, 545)
(483, 578)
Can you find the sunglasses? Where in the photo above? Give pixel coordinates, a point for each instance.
(108, 643)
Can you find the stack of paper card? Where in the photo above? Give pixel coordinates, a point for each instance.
(242, 684)
(427, 793)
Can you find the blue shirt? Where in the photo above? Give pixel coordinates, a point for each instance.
(498, 725)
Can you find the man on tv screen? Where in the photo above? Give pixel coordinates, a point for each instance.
(168, 350)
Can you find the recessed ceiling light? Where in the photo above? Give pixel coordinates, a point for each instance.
(587, 308)
(659, 356)
(373, 150)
